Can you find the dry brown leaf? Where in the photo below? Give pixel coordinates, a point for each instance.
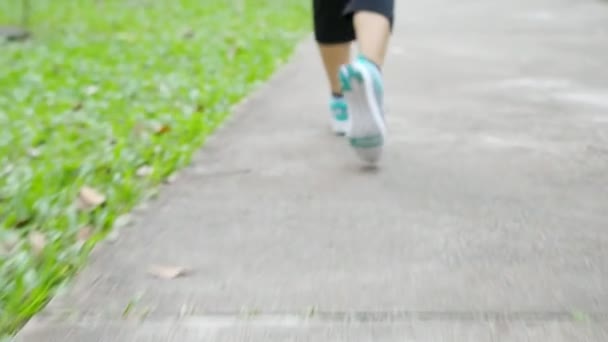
(167, 272)
(37, 242)
(78, 106)
(89, 198)
(162, 129)
(144, 171)
(84, 233)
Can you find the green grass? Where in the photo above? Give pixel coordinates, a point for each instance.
(107, 88)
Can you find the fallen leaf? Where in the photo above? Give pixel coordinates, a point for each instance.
(189, 33)
(122, 221)
(185, 310)
(6, 248)
(144, 171)
(84, 233)
(34, 152)
(37, 242)
(78, 106)
(200, 108)
(143, 314)
(167, 272)
(22, 222)
(89, 198)
(162, 129)
(311, 311)
(128, 308)
(91, 90)
(113, 236)
(171, 179)
(579, 316)
(7, 170)
(9, 240)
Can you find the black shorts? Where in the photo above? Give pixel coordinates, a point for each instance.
(333, 19)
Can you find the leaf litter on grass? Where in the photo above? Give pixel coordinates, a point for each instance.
(87, 125)
(89, 198)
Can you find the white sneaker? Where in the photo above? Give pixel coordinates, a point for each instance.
(363, 90)
(339, 115)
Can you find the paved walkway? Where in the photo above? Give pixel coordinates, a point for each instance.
(487, 221)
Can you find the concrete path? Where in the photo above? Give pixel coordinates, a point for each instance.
(488, 220)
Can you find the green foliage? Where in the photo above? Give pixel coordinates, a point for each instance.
(114, 95)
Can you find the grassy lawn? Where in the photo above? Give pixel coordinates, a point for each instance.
(107, 101)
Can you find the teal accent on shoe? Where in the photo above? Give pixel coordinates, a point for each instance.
(354, 74)
(347, 74)
(367, 142)
(376, 75)
(339, 109)
(345, 80)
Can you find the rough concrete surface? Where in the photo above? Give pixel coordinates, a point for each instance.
(487, 220)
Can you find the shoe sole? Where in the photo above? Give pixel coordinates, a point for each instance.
(367, 128)
(339, 127)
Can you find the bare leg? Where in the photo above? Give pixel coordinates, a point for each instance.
(334, 56)
(373, 33)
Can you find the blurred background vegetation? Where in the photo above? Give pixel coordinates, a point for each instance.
(100, 105)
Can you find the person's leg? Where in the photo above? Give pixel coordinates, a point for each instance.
(334, 34)
(373, 32)
(334, 56)
(362, 81)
